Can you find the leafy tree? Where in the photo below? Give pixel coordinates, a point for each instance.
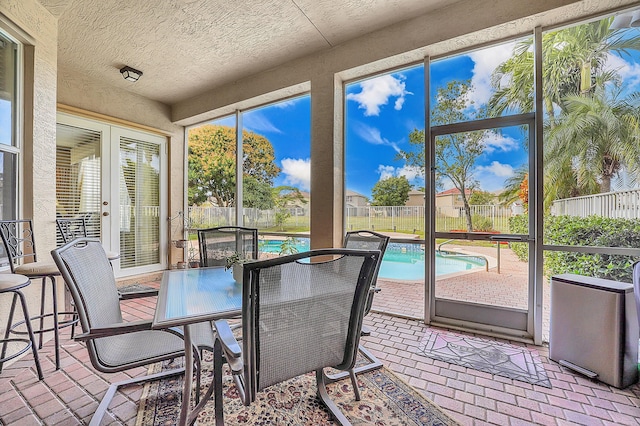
(212, 169)
(284, 197)
(514, 187)
(481, 198)
(455, 154)
(392, 191)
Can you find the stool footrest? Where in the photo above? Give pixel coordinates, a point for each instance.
(61, 323)
(17, 354)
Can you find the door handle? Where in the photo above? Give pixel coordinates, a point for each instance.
(105, 213)
(509, 238)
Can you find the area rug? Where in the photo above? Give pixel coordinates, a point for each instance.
(385, 400)
(490, 356)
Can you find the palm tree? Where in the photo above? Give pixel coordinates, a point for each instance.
(600, 134)
(575, 82)
(571, 60)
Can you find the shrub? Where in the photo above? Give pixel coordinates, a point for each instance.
(481, 223)
(519, 225)
(577, 231)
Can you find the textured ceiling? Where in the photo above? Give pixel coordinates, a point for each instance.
(185, 47)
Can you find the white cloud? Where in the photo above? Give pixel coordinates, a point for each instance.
(372, 135)
(499, 142)
(485, 62)
(386, 171)
(630, 72)
(286, 104)
(257, 122)
(376, 92)
(413, 174)
(297, 172)
(492, 177)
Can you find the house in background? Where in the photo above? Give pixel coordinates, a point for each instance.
(449, 203)
(416, 198)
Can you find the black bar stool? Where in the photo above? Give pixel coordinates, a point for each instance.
(13, 283)
(19, 243)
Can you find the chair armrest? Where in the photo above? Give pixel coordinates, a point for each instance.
(229, 343)
(137, 294)
(115, 329)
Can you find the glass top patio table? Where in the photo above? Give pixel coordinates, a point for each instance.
(189, 296)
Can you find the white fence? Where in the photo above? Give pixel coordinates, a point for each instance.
(395, 218)
(620, 204)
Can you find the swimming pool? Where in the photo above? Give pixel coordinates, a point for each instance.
(401, 261)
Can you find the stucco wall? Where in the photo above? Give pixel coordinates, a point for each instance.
(37, 30)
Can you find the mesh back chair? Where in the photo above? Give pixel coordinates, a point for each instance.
(76, 227)
(365, 240)
(217, 244)
(300, 313)
(114, 345)
(20, 245)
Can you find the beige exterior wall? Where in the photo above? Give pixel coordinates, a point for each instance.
(37, 30)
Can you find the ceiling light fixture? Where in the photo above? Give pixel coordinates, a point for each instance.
(130, 74)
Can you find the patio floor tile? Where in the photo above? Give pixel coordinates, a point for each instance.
(71, 395)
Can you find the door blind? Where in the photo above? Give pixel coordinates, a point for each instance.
(139, 203)
(78, 173)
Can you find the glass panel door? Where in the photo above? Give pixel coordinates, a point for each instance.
(138, 200)
(122, 205)
(481, 274)
(79, 166)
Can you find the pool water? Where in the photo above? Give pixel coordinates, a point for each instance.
(400, 261)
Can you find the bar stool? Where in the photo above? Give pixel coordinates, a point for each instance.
(19, 243)
(13, 283)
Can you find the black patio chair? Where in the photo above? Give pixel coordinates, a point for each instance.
(71, 228)
(300, 313)
(365, 240)
(115, 345)
(217, 244)
(19, 242)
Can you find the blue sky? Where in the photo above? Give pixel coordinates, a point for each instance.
(382, 111)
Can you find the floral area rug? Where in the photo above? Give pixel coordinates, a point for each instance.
(386, 400)
(490, 356)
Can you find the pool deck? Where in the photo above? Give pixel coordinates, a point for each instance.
(508, 288)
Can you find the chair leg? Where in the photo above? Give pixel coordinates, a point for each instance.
(43, 293)
(354, 383)
(32, 337)
(8, 329)
(56, 325)
(324, 397)
(374, 364)
(106, 400)
(217, 382)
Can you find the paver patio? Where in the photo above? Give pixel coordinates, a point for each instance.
(70, 396)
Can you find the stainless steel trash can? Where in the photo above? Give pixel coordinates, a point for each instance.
(594, 328)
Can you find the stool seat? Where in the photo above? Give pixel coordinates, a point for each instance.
(9, 282)
(37, 269)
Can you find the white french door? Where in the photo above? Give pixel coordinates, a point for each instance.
(115, 178)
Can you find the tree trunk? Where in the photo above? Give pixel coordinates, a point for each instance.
(467, 212)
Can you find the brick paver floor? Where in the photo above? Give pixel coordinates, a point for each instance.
(70, 395)
(508, 288)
